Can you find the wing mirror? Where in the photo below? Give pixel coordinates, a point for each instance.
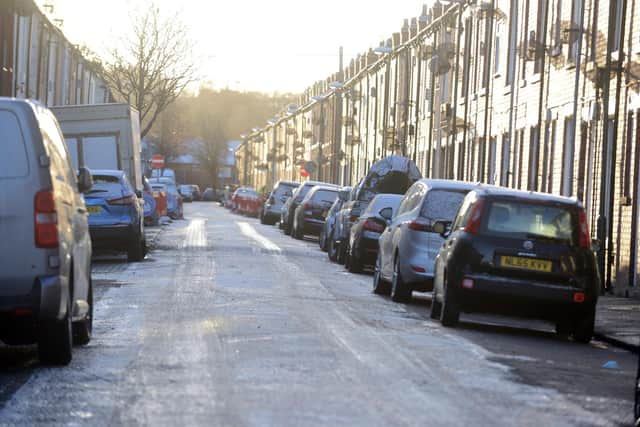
(386, 213)
(85, 180)
(443, 228)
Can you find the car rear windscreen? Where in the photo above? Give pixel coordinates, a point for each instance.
(442, 205)
(380, 203)
(13, 154)
(530, 220)
(325, 196)
(105, 183)
(284, 190)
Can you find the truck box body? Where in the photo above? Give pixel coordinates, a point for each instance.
(103, 136)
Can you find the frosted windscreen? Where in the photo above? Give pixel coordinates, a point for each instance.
(72, 143)
(100, 152)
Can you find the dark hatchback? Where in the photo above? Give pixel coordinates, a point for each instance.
(362, 249)
(281, 192)
(518, 253)
(309, 216)
(289, 207)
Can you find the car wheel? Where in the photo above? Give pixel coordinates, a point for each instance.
(347, 256)
(341, 252)
(287, 228)
(564, 327)
(399, 290)
(321, 240)
(82, 329)
(380, 286)
(262, 220)
(136, 250)
(332, 251)
(355, 266)
(583, 326)
(436, 306)
(55, 340)
(450, 311)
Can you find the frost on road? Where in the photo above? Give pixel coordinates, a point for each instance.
(229, 322)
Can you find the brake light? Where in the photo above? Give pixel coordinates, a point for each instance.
(585, 237)
(578, 297)
(473, 224)
(307, 206)
(46, 220)
(122, 201)
(467, 283)
(420, 224)
(373, 226)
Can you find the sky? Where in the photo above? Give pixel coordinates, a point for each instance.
(254, 45)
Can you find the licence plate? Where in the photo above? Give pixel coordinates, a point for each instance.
(94, 209)
(526, 263)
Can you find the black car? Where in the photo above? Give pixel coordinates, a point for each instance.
(288, 209)
(330, 220)
(270, 213)
(362, 247)
(518, 253)
(309, 216)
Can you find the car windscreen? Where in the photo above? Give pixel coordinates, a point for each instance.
(105, 184)
(442, 204)
(324, 196)
(13, 155)
(284, 190)
(303, 191)
(530, 221)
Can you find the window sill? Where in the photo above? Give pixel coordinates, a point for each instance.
(497, 75)
(507, 90)
(570, 65)
(523, 83)
(535, 78)
(462, 100)
(482, 93)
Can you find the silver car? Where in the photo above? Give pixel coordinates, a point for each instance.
(408, 246)
(45, 281)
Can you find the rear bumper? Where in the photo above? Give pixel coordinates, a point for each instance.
(112, 236)
(366, 250)
(312, 226)
(522, 297)
(46, 299)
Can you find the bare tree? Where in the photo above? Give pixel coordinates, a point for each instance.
(154, 65)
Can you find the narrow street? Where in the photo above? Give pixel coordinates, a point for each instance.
(230, 322)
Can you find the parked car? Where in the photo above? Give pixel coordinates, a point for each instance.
(46, 294)
(392, 175)
(116, 217)
(270, 213)
(409, 245)
(196, 194)
(362, 247)
(174, 199)
(329, 222)
(208, 195)
(247, 201)
(518, 253)
(289, 207)
(151, 208)
(186, 191)
(310, 214)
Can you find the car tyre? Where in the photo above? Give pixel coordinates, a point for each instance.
(82, 330)
(380, 286)
(137, 249)
(262, 219)
(341, 252)
(399, 290)
(450, 311)
(322, 241)
(583, 326)
(332, 251)
(436, 306)
(287, 228)
(355, 266)
(55, 341)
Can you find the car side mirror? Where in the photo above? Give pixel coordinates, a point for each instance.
(443, 228)
(386, 213)
(85, 179)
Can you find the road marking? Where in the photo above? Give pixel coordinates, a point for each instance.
(250, 232)
(196, 235)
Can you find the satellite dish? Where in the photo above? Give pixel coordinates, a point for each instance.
(310, 167)
(439, 66)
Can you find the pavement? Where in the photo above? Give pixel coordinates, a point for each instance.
(618, 322)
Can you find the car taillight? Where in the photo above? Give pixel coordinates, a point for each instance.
(585, 237)
(122, 201)
(307, 207)
(373, 226)
(473, 224)
(46, 220)
(420, 224)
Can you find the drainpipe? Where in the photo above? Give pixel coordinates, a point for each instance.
(487, 71)
(540, 108)
(576, 89)
(273, 157)
(454, 108)
(512, 70)
(605, 229)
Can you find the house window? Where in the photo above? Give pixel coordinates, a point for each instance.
(525, 35)
(567, 158)
(618, 25)
(467, 57)
(534, 138)
(540, 35)
(504, 177)
(498, 47)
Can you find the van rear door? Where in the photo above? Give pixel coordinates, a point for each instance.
(16, 207)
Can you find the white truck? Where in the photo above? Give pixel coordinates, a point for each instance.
(103, 136)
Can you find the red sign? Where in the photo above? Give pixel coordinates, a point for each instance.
(157, 161)
(303, 172)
